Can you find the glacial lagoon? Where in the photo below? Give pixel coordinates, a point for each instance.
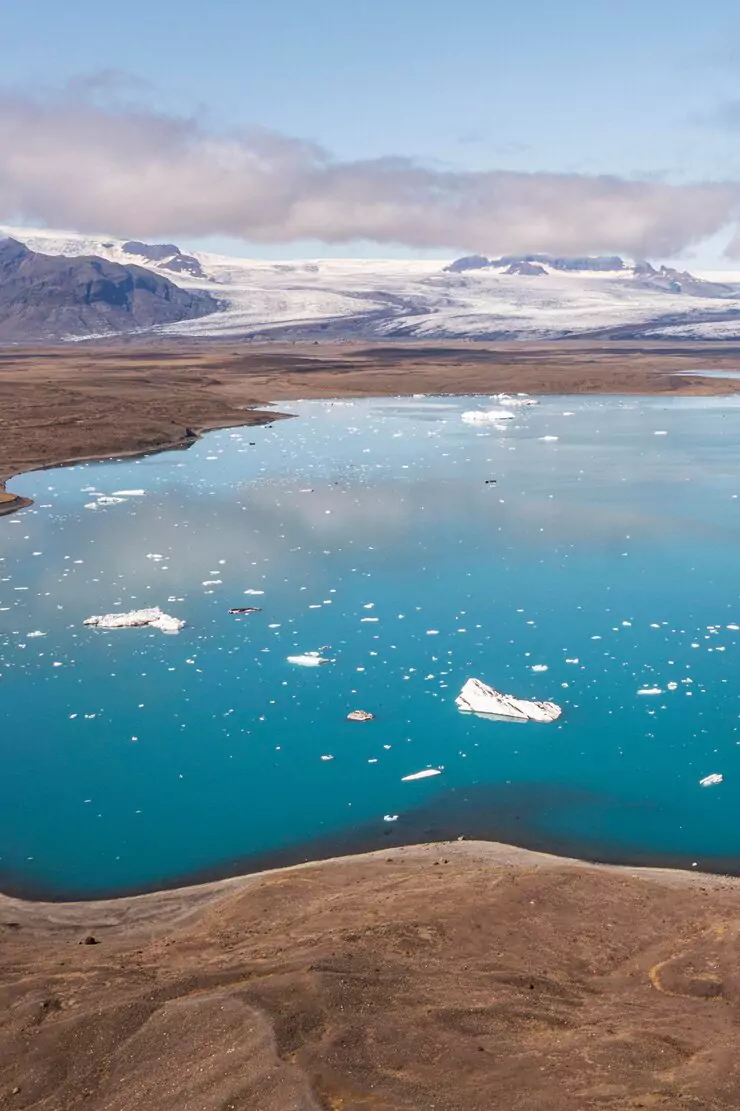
(582, 552)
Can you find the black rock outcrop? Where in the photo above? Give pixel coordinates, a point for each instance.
(167, 255)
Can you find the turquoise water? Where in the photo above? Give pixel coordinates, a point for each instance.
(132, 759)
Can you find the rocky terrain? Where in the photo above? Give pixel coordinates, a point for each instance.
(47, 297)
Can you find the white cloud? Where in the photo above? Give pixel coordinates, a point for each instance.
(76, 161)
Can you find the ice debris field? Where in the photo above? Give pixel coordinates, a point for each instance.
(579, 568)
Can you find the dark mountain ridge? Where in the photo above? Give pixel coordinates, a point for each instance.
(51, 297)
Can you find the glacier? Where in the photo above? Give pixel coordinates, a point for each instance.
(336, 299)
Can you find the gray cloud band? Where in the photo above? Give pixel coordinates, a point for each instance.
(139, 173)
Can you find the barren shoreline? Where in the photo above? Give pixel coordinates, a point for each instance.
(463, 976)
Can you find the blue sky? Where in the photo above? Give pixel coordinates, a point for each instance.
(635, 89)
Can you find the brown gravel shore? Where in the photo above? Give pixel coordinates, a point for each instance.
(88, 401)
(458, 977)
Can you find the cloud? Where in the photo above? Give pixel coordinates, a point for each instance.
(73, 161)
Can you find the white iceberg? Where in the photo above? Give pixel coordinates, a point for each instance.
(486, 416)
(134, 619)
(711, 780)
(478, 698)
(420, 775)
(309, 659)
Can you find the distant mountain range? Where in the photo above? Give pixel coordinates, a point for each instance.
(50, 297)
(105, 286)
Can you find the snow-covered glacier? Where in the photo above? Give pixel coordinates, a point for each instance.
(420, 299)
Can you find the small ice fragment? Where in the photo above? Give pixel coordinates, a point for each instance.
(650, 690)
(327, 757)
(309, 659)
(420, 775)
(129, 493)
(547, 439)
(660, 432)
(539, 667)
(254, 592)
(711, 780)
(390, 817)
(573, 660)
(432, 632)
(212, 582)
(486, 416)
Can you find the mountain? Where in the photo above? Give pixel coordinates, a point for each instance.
(45, 297)
(169, 257)
(532, 296)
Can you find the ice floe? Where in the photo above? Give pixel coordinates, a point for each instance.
(478, 698)
(360, 715)
(134, 619)
(309, 659)
(711, 780)
(420, 775)
(486, 416)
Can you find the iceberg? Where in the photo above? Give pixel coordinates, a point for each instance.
(478, 698)
(486, 416)
(136, 619)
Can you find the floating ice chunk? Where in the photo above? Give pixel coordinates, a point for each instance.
(573, 660)
(486, 416)
(212, 582)
(539, 667)
(360, 715)
(309, 659)
(134, 619)
(254, 592)
(514, 402)
(660, 432)
(35, 633)
(129, 493)
(108, 499)
(547, 439)
(390, 817)
(478, 698)
(711, 780)
(650, 690)
(420, 775)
